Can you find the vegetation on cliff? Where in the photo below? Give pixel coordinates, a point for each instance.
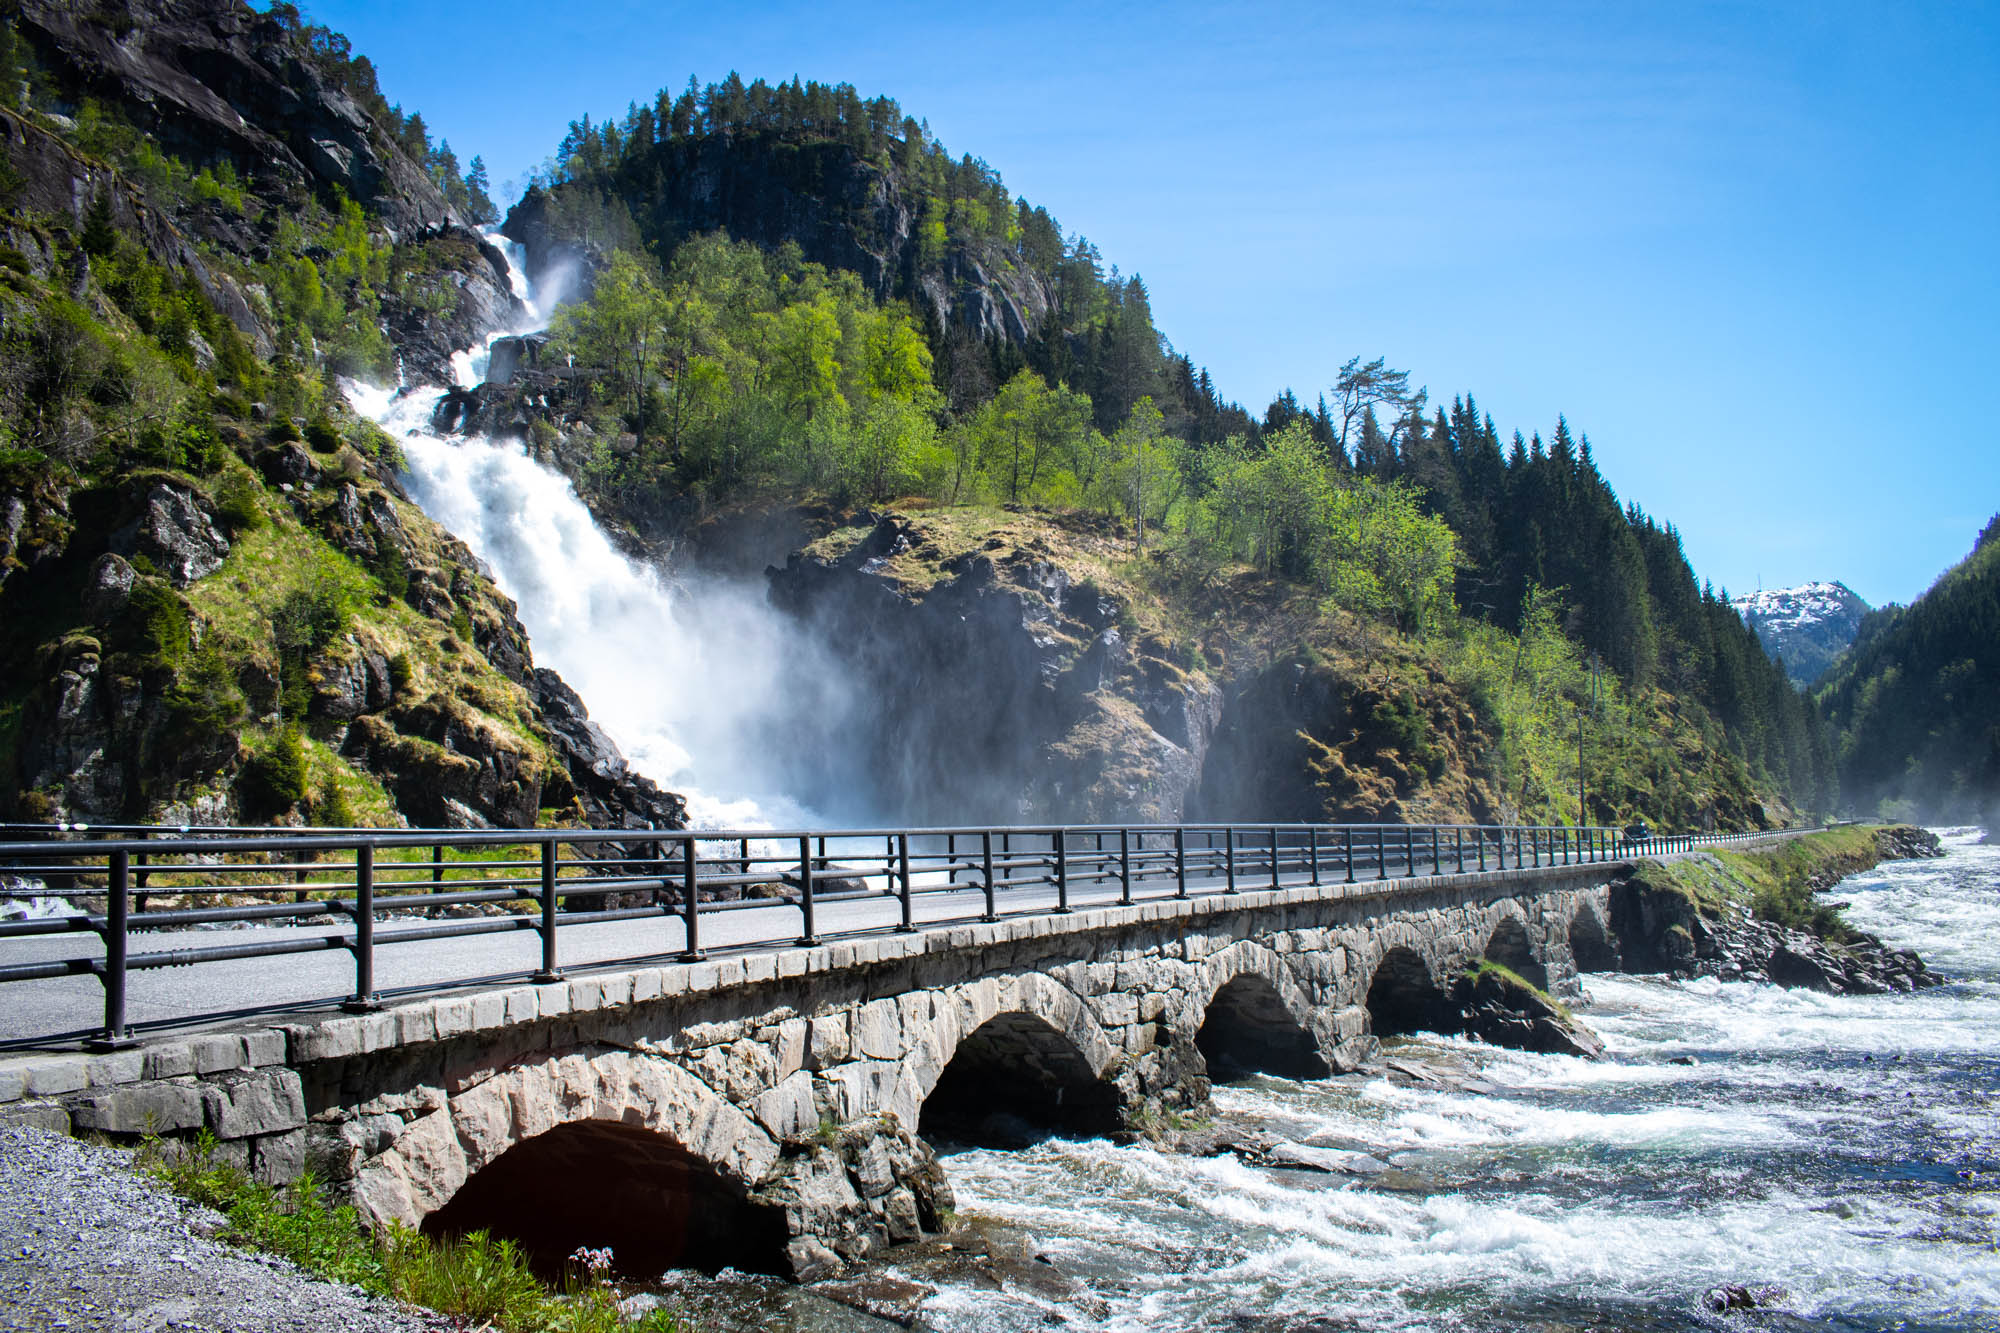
(763, 252)
(1916, 701)
(219, 603)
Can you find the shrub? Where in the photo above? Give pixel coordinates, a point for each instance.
(275, 781)
(239, 503)
(323, 435)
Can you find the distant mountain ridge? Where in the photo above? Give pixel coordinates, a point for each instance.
(1809, 626)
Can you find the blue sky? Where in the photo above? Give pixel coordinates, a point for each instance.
(1752, 251)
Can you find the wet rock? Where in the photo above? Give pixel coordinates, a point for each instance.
(1731, 1297)
(882, 1295)
(1334, 1161)
(107, 588)
(176, 531)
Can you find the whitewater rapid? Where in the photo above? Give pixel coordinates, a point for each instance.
(1842, 1149)
(689, 679)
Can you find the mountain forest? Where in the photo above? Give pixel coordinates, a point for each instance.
(790, 300)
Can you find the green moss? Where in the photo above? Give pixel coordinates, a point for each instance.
(1513, 980)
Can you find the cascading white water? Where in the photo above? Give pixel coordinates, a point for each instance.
(688, 678)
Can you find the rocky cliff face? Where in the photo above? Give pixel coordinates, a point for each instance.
(1004, 688)
(220, 604)
(842, 211)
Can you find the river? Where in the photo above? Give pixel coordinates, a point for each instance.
(1839, 1153)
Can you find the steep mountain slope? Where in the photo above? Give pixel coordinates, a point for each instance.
(1916, 701)
(1809, 626)
(219, 604)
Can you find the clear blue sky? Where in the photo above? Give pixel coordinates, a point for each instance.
(1753, 251)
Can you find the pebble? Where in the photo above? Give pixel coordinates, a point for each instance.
(131, 1259)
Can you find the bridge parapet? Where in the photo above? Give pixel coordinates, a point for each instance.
(779, 1102)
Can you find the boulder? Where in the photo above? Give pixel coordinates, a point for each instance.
(176, 531)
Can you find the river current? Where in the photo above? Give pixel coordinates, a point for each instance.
(1838, 1154)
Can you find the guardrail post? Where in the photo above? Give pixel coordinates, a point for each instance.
(1180, 862)
(806, 888)
(1125, 867)
(364, 932)
(437, 868)
(1274, 858)
(117, 906)
(1007, 858)
(908, 923)
(1381, 852)
(986, 853)
(1312, 839)
(549, 971)
(1347, 840)
(1458, 846)
(1517, 849)
(1062, 871)
(139, 864)
(1229, 858)
(1479, 841)
(951, 859)
(1437, 856)
(691, 950)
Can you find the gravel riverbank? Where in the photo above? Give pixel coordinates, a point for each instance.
(87, 1242)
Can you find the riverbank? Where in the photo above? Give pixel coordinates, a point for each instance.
(1758, 915)
(88, 1242)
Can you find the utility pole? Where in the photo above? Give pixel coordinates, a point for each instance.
(1582, 794)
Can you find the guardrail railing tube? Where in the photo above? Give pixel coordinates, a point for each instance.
(364, 931)
(546, 892)
(691, 950)
(810, 935)
(908, 924)
(1125, 867)
(117, 934)
(986, 856)
(1061, 840)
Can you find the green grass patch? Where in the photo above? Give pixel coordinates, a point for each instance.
(1486, 967)
(479, 1280)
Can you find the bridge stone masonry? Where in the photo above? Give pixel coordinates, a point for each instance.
(774, 1110)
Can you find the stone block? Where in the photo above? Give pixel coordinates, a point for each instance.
(791, 963)
(1117, 1009)
(586, 994)
(829, 1041)
(12, 1083)
(790, 1046)
(416, 1025)
(116, 1067)
(264, 1047)
(701, 977)
(728, 974)
(552, 1000)
(452, 1018)
(788, 1112)
(172, 1059)
(218, 1052)
(253, 1105)
(279, 1159)
(488, 1011)
(54, 1076)
(759, 968)
(523, 1005)
(35, 1115)
(878, 1030)
(646, 985)
(147, 1108)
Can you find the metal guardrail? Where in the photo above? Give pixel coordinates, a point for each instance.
(542, 880)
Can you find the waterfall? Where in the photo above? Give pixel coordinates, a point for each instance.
(696, 679)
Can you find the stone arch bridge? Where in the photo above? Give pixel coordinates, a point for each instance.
(771, 1110)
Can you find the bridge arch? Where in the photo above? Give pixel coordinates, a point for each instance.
(1251, 1017)
(1404, 996)
(1510, 947)
(1590, 942)
(522, 1153)
(1027, 1059)
(606, 1183)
